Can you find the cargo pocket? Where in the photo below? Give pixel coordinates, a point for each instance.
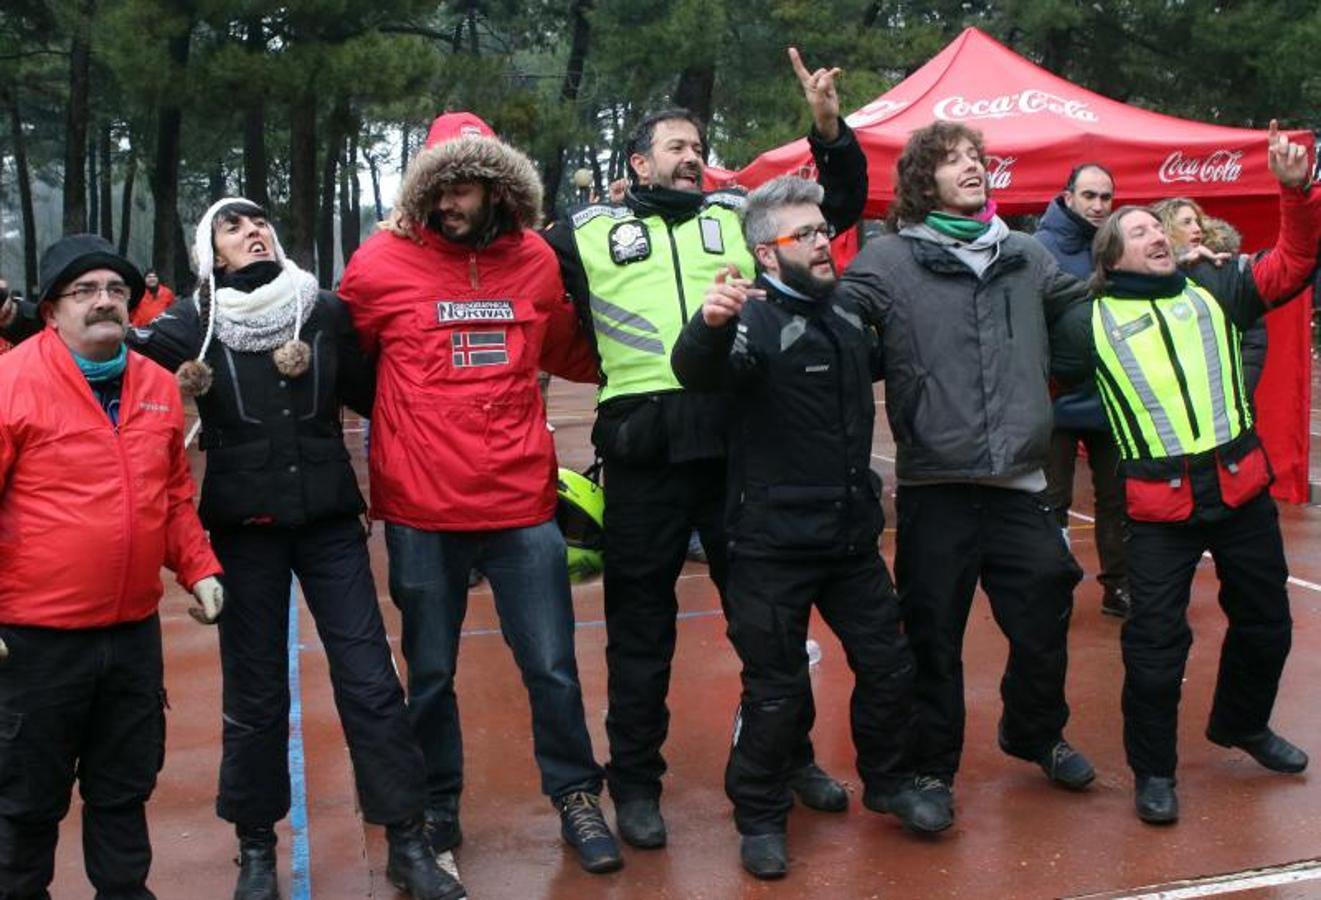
(1159, 499)
(1242, 475)
(13, 770)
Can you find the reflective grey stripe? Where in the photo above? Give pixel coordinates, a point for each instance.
(645, 344)
(1214, 374)
(603, 307)
(792, 331)
(855, 321)
(1164, 430)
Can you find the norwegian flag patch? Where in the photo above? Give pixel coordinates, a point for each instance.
(480, 348)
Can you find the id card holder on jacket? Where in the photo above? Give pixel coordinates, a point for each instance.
(713, 241)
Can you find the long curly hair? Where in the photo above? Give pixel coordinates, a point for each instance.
(915, 192)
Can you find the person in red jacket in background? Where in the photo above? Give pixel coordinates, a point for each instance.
(95, 496)
(462, 303)
(155, 300)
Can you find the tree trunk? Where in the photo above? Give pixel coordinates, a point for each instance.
(107, 177)
(24, 178)
(325, 240)
(374, 168)
(75, 123)
(696, 89)
(215, 182)
(302, 181)
(164, 176)
(93, 183)
(126, 201)
(350, 205)
(405, 137)
(579, 10)
(256, 169)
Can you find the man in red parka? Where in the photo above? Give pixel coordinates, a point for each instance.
(462, 303)
(95, 496)
(155, 300)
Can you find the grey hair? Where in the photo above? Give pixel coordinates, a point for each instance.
(759, 225)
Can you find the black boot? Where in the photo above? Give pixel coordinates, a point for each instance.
(256, 862)
(412, 866)
(764, 855)
(442, 824)
(1156, 801)
(815, 789)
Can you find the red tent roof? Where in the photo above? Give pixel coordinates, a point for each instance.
(1037, 126)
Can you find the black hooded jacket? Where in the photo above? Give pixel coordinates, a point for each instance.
(800, 435)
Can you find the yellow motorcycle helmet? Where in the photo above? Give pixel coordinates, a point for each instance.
(580, 513)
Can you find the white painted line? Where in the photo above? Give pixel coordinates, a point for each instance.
(192, 433)
(1083, 516)
(1214, 885)
(882, 457)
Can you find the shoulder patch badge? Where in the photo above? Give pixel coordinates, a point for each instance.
(629, 242)
(729, 199)
(596, 210)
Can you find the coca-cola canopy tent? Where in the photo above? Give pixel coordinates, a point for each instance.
(1037, 127)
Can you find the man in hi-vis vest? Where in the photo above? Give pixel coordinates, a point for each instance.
(638, 270)
(1167, 364)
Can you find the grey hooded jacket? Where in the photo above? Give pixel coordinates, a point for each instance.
(967, 357)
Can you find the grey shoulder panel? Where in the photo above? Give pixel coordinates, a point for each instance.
(729, 199)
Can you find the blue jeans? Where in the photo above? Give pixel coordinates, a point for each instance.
(529, 577)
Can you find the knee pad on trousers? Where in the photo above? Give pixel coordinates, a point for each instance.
(767, 731)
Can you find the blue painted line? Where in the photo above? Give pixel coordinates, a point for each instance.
(596, 623)
(301, 888)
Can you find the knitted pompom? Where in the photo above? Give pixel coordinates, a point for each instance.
(194, 378)
(292, 358)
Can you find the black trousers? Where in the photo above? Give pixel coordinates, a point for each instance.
(950, 537)
(651, 512)
(331, 562)
(1249, 560)
(85, 704)
(1107, 487)
(770, 602)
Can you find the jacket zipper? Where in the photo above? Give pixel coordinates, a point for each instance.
(472, 270)
(1009, 318)
(678, 272)
(126, 479)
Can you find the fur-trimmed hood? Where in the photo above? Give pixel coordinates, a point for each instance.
(513, 179)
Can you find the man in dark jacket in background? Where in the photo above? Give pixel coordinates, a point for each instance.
(803, 517)
(1066, 230)
(635, 269)
(966, 310)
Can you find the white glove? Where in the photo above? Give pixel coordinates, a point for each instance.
(4, 650)
(210, 598)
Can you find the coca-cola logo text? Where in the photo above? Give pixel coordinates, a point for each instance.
(1223, 166)
(1000, 171)
(876, 111)
(1025, 103)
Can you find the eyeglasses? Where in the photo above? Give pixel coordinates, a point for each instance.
(85, 292)
(805, 235)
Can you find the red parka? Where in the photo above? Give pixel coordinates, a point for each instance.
(459, 439)
(88, 513)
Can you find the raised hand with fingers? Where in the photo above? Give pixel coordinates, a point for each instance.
(1289, 162)
(724, 300)
(822, 97)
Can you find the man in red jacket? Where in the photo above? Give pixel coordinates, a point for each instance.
(155, 300)
(463, 304)
(95, 496)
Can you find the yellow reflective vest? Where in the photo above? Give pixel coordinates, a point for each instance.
(646, 277)
(1169, 374)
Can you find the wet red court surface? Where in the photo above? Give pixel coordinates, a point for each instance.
(1015, 836)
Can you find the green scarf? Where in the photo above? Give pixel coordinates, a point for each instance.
(98, 372)
(961, 228)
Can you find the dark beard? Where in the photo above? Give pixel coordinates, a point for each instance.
(479, 226)
(800, 278)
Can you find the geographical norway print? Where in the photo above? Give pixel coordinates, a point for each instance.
(474, 311)
(479, 348)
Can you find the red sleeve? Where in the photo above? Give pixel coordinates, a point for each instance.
(357, 296)
(568, 351)
(1280, 273)
(187, 551)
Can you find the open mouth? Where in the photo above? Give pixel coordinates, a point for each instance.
(972, 183)
(688, 177)
(257, 247)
